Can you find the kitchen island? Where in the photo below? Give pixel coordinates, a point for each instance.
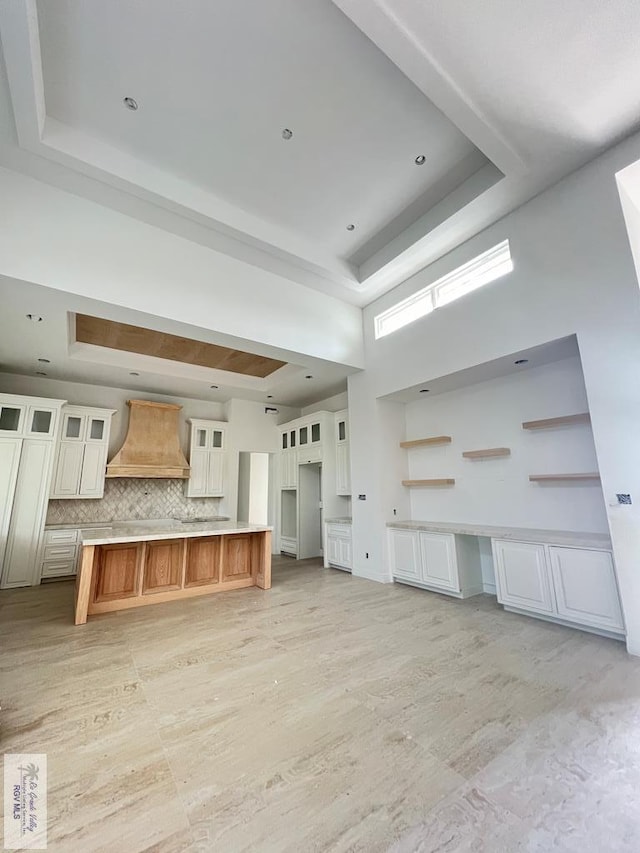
(132, 564)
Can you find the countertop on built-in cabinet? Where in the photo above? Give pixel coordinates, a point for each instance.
(568, 538)
(169, 528)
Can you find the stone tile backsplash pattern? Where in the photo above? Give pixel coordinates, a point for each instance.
(133, 500)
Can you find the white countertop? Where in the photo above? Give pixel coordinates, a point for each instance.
(167, 528)
(569, 538)
(345, 519)
(79, 525)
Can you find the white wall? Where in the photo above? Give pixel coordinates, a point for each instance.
(329, 404)
(59, 240)
(573, 274)
(490, 491)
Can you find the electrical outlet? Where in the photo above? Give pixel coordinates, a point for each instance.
(367, 555)
(395, 512)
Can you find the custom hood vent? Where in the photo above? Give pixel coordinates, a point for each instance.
(152, 446)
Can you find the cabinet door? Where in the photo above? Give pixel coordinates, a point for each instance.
(41, 421)
(9, 462)
(197, 482)
(66, 480)
(293, 469)
(27, 518)
(404, 554)
(522, 576)
(93, 470)
(215, 474)
(96, 429)
(439, 565)
(11, 419)
(333, 550)
(585, 587)
(345, 553)
(343, 484)
(73, 427)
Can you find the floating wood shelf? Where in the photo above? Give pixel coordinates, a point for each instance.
(546, 478)
(487, 454)
(447, 481)
(566, 420)
(424, 442)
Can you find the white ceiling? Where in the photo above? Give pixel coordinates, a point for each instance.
(23, 342)
(502, 98)
(504, 366)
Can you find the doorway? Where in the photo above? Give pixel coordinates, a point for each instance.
(309, 510)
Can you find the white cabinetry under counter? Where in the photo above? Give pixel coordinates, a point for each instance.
(440, 562)
(338, 550)
(571, 585)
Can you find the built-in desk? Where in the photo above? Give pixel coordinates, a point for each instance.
(558, 575)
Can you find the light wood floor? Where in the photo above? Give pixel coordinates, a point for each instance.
(330, 713)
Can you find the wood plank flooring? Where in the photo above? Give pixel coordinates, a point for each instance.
(328, 714)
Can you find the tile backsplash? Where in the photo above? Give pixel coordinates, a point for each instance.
(133, 500)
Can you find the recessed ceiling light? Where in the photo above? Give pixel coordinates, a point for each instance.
(420, 160)
(215, 387)
(40, 373)
(424, 390)
(130, 103)
(133, 373)
(35, 318)
(521, 361)
(44, 361)
(286, 133)
(309, 376)
(351, 227)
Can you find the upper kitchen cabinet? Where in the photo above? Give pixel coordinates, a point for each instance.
(343, 456)
(81, 454)
(207, 459)
(28, 427)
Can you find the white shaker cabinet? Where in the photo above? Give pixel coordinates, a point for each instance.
(207, 459)
(564, 584)
(338, 553)
(522, 576)
(440, 562)
(81, 453)
(404, 554)
(585, 587)
(28, 427)
(343, 455)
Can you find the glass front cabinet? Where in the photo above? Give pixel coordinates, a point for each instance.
(81, 454)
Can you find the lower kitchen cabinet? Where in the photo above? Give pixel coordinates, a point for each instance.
(338, 550)
(564, 584)
(441, 562)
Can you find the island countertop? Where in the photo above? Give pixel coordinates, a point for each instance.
(136, 563)
(166, 528)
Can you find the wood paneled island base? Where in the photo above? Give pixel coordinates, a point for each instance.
(116, 574)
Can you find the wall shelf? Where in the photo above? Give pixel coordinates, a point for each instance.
(551, 478)
(490, 453)
(446, 481)
(425, 442)
(565, 420)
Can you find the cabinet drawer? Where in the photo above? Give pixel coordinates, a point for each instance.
(55, 537)
(342, 531)
(56, 568)
(59, 552)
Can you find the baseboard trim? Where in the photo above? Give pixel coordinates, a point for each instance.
(489, 588)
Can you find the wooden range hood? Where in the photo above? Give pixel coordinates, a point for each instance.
(152, 447)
